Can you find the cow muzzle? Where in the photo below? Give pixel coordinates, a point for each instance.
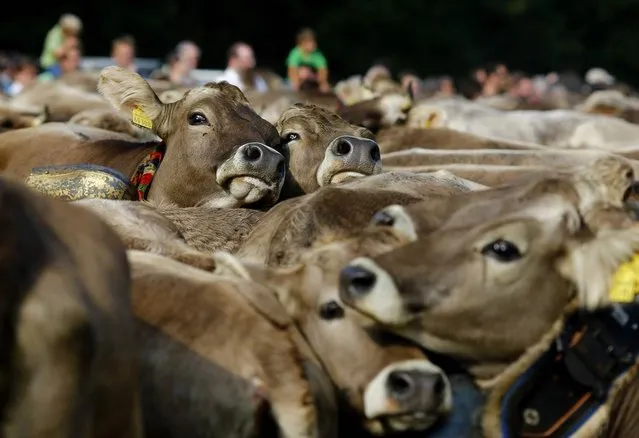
(367, 288)
(255, 173)
(349, 157)
(407, 395)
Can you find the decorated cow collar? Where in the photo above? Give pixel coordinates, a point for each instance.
(564, 386)
(143, 176)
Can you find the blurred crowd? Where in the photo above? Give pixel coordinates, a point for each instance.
(307, 69)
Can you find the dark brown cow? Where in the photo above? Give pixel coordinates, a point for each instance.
(217, 148)
(69, 365)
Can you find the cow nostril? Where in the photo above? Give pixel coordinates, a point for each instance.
(439, 386)
(375, 153)
(343, 147)
(383, 218)
(357, 280)
(399, 384)
(281, 169)
(252, 153)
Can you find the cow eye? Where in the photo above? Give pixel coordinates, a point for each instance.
(198, 119)
(502, 250)
(292, 136)
(331, 310)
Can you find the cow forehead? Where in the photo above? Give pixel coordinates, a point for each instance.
(315, 119)
(218, 97)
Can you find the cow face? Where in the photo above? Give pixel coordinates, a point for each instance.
(490, 281)
(219, 151)
(381, 379)
(323, 149)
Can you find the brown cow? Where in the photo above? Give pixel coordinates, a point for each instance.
(213, 350)
(69, 364)
(491, 284)
(111, 120)
(493, 157)
(293, 226)
(63, 101)
(387, 383)
(11, 118)
(217, 148)
(400, 138)
(322, 149)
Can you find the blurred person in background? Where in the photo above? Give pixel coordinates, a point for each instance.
(62, 37)
(307, 66)
(123, 52)
(185, 60)
(25, 74)
(240, 69)
(69, 62)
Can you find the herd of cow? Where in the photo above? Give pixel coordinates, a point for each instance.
(200, 263)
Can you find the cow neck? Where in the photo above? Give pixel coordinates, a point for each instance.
(564, 386)
(145, 172)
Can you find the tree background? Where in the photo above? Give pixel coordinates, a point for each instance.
(426, 36)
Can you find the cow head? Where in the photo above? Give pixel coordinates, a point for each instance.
(322, 148)
(389, 382)
(219, 151)
(493, 279)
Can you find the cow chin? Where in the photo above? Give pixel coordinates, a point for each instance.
(251, 190)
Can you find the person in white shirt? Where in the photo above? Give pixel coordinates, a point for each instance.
(240, 70)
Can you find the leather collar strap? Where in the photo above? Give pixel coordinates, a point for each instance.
(567, 384)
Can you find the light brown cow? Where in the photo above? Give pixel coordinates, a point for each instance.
(388, 383)
(63, 101)
(69, 361)
(495, 157)
(534, 223)
(322, 149)
(213, 351)
(11, 118)
(399, 138)
(217, 148)
(490, 285)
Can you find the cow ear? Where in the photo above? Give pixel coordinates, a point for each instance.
(128, 92)
(230, 266)
(602, 266)
(409, 90)
(281, 280)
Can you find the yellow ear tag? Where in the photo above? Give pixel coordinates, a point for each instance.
(139, 118)
(625, 282)
(429, 121)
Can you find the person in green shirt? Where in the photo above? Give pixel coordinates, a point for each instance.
(62, 37)
(306, 64)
